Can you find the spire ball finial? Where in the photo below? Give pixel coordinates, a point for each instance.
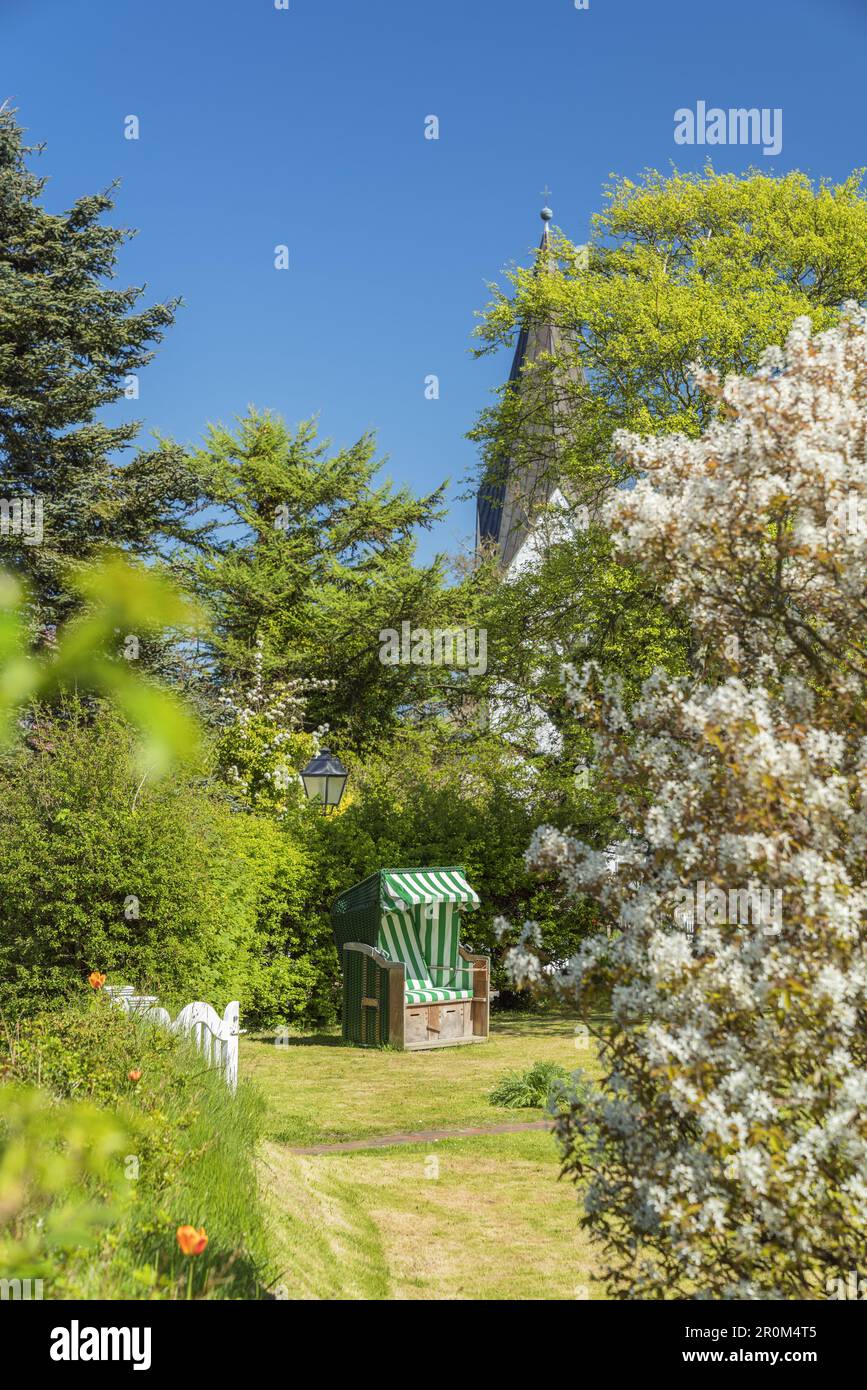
(546, 214)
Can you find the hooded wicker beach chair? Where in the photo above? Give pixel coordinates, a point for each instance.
(407, 980)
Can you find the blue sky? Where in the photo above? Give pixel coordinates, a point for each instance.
(305, 127)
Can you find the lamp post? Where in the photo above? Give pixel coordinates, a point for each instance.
(324, 779)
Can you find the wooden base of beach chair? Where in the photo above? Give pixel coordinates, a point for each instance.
(375, 1011)
(439, 1025)
(451, 1024)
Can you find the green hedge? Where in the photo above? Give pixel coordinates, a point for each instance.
(158, 884)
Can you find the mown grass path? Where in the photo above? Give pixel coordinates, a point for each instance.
(425, 1136)
(389, 1175)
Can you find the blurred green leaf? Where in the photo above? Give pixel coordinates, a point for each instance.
(119, 597)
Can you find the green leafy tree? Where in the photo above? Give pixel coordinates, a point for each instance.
(704, 267)
(69, 345)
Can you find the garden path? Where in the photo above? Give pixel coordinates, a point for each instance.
(419, 1136)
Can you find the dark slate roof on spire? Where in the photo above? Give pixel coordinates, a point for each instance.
(534, 340)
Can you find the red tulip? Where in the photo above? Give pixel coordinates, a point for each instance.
(191, 1241)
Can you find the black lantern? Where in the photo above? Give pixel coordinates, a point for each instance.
(324, 778)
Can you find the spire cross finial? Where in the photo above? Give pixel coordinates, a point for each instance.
(546, 213)
(546, 193)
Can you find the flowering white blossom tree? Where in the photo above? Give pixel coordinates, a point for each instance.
(725, 1150)
(263, 745)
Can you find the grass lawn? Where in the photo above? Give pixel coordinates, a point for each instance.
(461, 1218)
(319, 1091)
(472, 1218)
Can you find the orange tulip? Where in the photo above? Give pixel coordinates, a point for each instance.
(134, 1075)
(191, 1241)
(95, 980)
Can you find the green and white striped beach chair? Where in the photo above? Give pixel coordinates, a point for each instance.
(418, 945)
(407, 980)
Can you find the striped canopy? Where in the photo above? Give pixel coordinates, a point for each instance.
(413, 886)
(427, 981)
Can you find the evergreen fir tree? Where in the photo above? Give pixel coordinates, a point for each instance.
(310, 560)
(68, 344)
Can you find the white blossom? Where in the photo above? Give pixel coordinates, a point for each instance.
(728, 1140)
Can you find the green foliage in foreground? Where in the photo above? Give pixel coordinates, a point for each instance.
(97, 1172)
(56, 1198)
(534, 1087)
(88, 655)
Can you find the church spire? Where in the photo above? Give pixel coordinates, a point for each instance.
(546, 215)
(516, 487)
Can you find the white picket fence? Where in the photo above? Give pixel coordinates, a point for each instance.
(216, 1038)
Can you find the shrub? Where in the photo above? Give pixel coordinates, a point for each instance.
(291, 972)
(536, 1086)
(151, 881)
